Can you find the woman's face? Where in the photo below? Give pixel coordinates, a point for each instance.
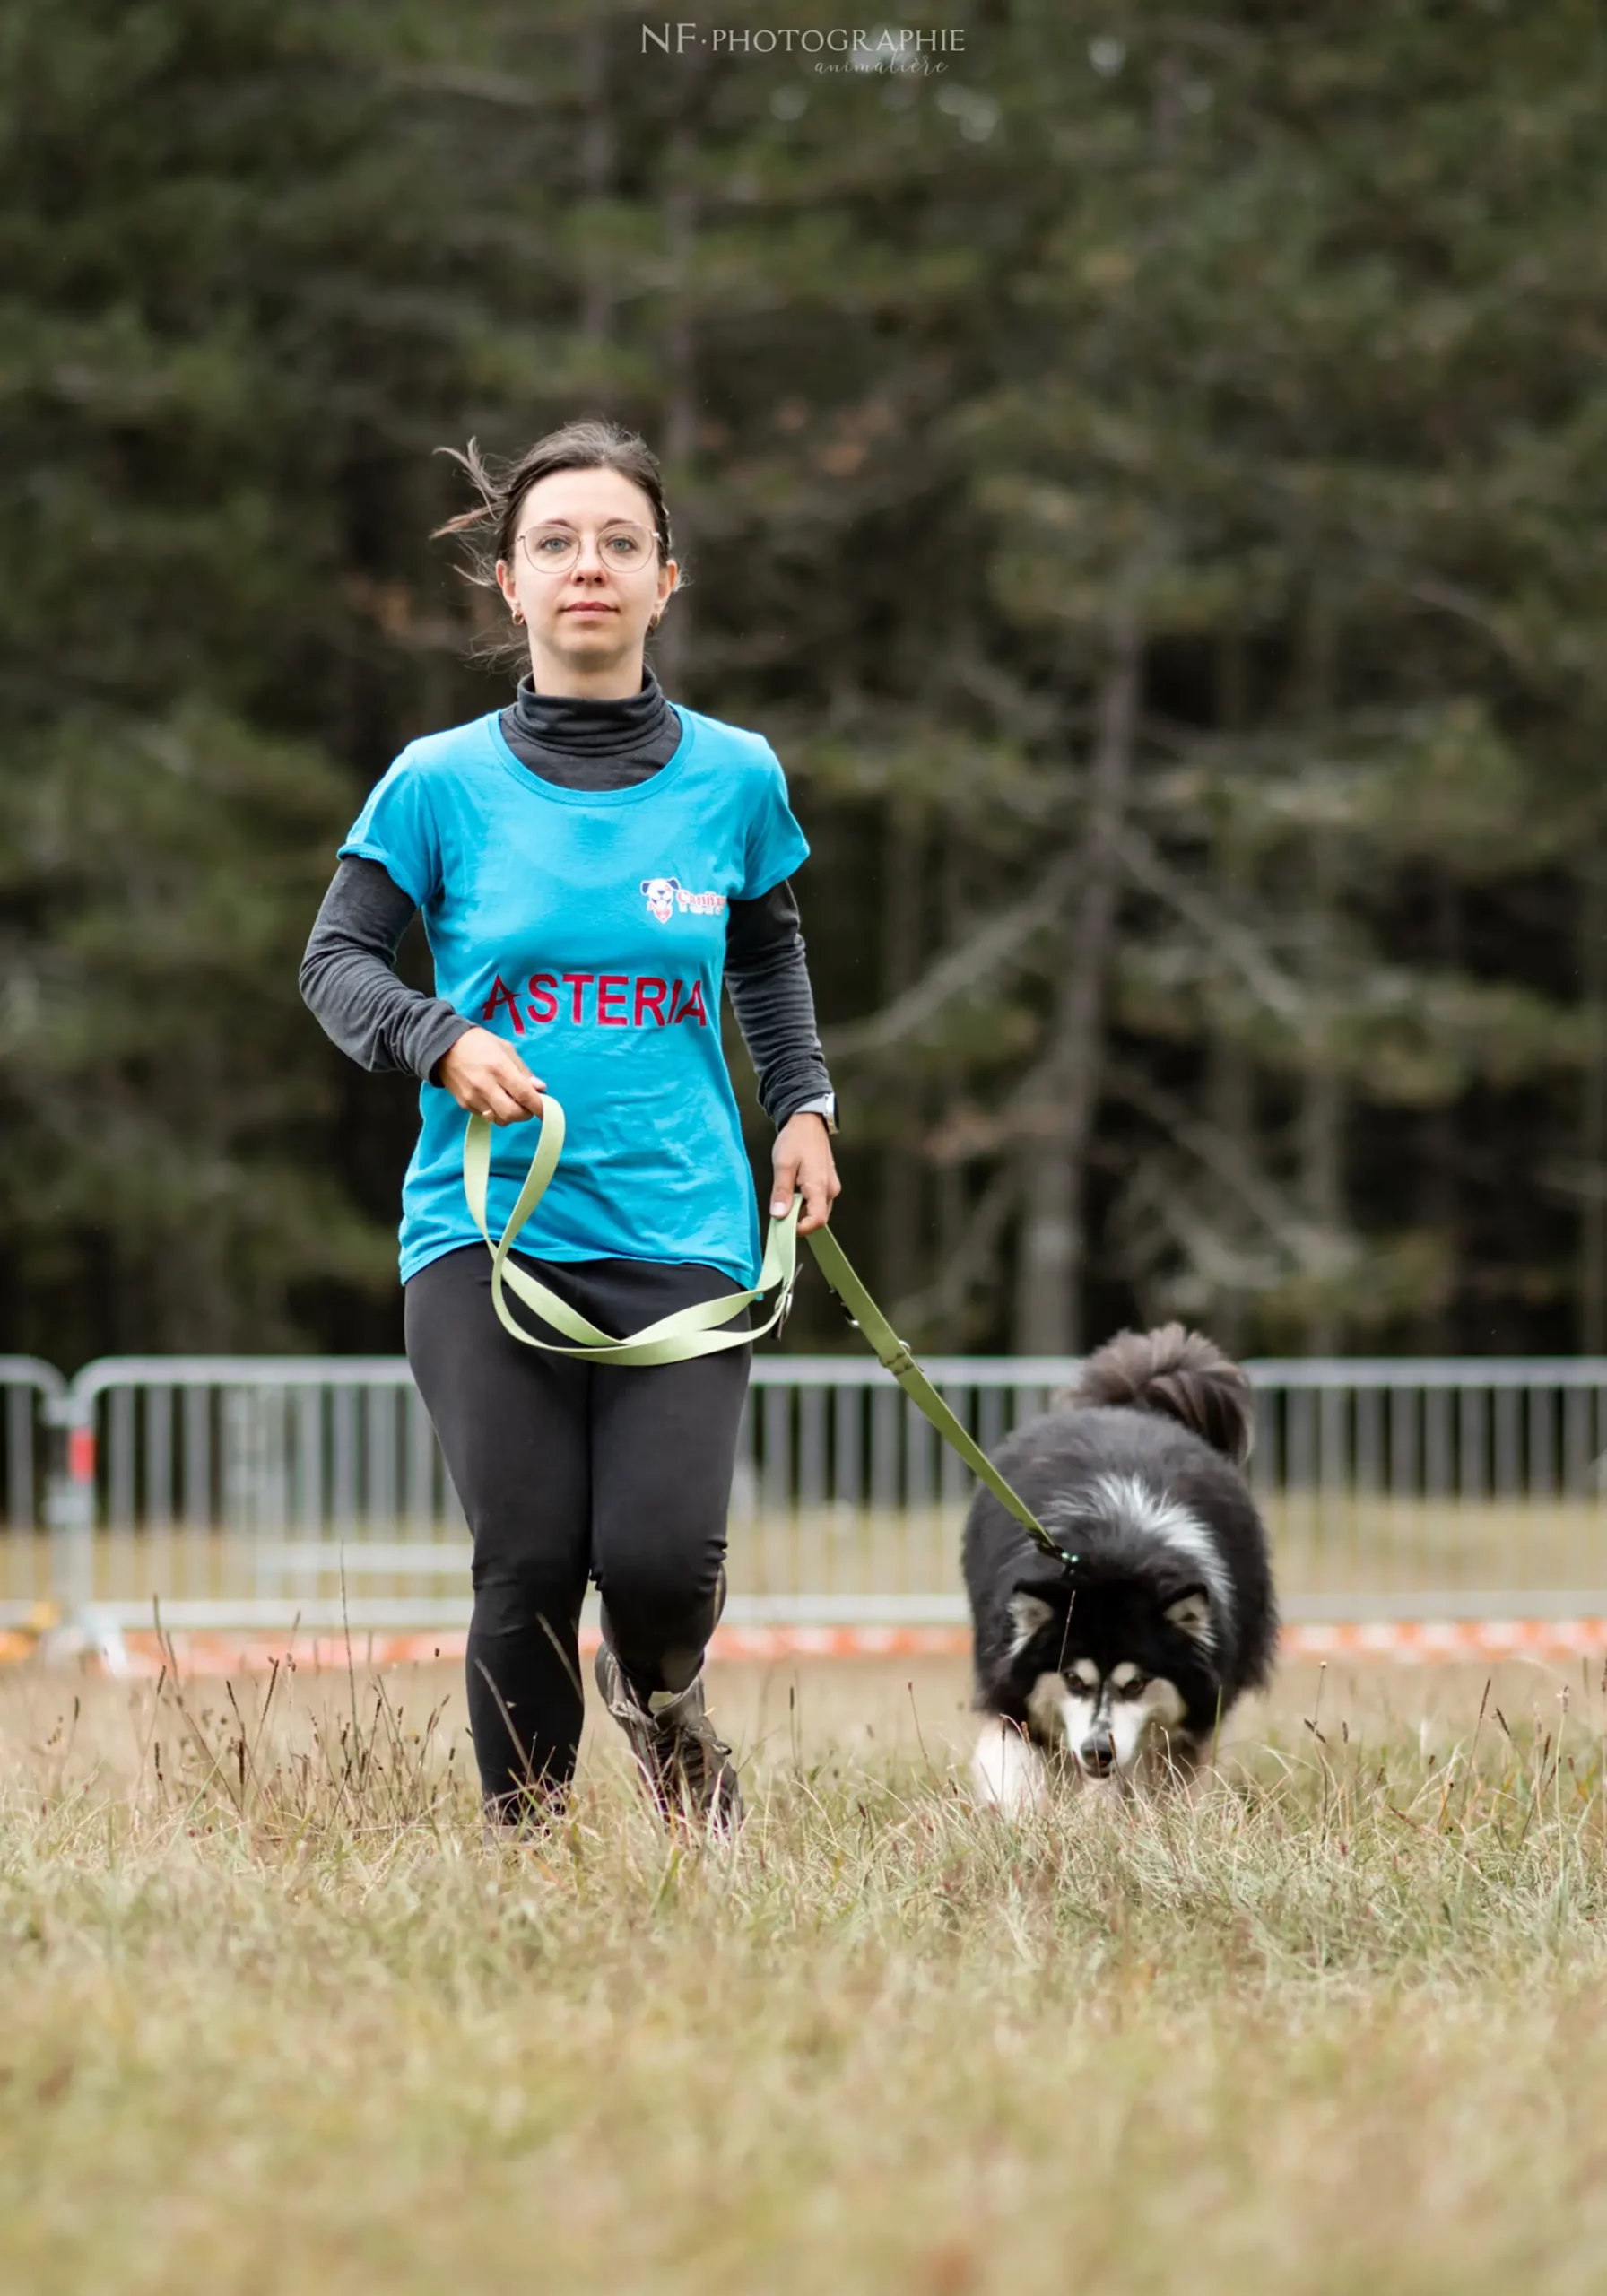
(580, 579)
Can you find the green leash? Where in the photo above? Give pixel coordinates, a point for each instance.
(695, 1331)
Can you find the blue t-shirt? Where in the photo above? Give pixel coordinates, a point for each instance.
(588, 928)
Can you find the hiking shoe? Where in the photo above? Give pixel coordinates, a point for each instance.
(686, 1767)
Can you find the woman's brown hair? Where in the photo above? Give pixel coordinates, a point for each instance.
(490, 528)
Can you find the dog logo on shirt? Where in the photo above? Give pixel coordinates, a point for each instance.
(665, 895)
(659, 894)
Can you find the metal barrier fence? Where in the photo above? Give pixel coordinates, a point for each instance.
(31, 1423)
(251, 1492)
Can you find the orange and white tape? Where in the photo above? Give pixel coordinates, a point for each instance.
(1422, 1641)
(1410, 1641)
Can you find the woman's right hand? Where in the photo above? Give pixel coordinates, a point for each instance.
(488, 1078)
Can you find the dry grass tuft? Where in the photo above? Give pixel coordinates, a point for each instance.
(275, 2021)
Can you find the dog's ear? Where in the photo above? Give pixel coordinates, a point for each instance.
(1028, 1616)
(1190, 1614)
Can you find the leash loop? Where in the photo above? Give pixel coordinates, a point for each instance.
(674, 1338)
(694, 1331)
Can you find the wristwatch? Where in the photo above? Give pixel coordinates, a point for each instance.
(825, 1106)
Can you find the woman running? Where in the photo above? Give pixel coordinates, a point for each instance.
(591, 862)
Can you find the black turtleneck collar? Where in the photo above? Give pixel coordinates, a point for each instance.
(642, 728)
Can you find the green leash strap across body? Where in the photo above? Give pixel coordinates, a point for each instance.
(695, 1331)
(893, 1355)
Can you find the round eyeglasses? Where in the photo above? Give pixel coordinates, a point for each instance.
(554, 550)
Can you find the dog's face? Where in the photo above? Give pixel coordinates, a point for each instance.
(1110, 1673)
(1109, 1723)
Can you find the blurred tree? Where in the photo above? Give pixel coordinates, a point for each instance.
(1224, 403)
(209, 241)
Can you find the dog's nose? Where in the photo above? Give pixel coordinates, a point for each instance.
(1098, 1756)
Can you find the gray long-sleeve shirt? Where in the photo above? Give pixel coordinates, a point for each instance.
(349, 972)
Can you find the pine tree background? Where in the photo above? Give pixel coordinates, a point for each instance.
(1145, 478)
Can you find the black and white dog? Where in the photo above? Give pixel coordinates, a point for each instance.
(1122, 1668)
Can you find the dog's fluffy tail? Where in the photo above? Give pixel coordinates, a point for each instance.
(1179, 1373)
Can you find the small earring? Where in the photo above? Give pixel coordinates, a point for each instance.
(518, 616)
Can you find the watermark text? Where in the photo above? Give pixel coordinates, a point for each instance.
(884, 47)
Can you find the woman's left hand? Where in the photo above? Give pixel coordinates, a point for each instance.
(803, 1159)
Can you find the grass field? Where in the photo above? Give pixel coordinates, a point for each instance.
(1328, 1543)
(275, 2022)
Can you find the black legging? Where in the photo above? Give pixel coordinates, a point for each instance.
(568, 1470)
